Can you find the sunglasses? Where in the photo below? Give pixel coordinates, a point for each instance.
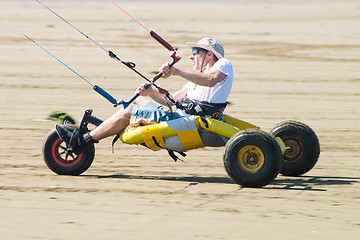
(197, 50)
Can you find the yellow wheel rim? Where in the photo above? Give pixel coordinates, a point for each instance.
(294, 150)
(250, 159)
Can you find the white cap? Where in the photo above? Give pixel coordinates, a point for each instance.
(209, 44)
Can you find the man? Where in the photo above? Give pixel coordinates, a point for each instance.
(209, 87)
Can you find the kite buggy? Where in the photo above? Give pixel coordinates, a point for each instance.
(252, 158)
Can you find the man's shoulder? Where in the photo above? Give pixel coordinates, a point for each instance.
(226, 60)
(222, 64)
(223, 61)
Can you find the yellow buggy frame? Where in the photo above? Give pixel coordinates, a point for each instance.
(252, 158)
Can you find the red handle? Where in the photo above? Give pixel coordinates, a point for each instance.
(161, 41)
(175, 59)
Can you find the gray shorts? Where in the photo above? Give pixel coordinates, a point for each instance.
(151, 113)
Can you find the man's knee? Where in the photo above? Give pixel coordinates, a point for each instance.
(124, 113)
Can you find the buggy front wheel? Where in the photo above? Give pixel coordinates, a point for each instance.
(59, 161)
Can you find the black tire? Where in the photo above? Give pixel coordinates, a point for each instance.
(60, 162)
(302, 144)
(252, 158)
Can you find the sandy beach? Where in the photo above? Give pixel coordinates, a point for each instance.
(296, 60)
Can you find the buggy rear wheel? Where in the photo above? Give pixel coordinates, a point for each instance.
(252, 158)
(302, 146)
(59, 161)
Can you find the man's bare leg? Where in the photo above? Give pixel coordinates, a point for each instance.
(117, 122)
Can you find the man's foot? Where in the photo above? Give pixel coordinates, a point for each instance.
(72, 139)
(75, 140)
(63, 133)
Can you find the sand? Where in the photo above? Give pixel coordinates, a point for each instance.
(292, 60)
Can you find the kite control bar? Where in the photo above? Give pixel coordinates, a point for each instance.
(105, 94)
(175, 59)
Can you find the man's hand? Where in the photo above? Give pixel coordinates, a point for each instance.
(166, 71)
(143, 91)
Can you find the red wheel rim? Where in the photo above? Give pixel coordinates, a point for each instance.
(61, 157)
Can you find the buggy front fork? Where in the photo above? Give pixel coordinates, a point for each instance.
(88, 118)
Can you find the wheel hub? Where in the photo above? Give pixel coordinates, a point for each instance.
(250, 159)
(61, 156)
(294, 150)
